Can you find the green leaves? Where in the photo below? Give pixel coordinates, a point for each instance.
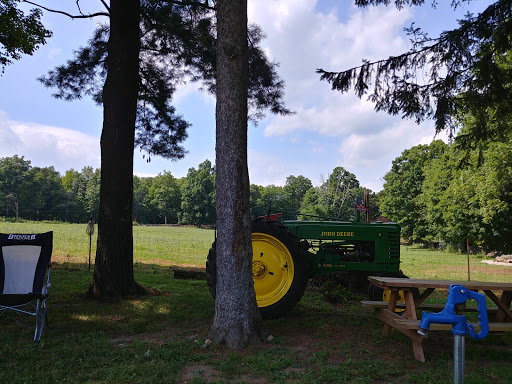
(435, 199)
(402, 198)
(19, 33)
(198, 196)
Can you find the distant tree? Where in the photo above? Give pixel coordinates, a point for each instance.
(72, 207)
(255, 196)
(198, 196)
(475, 202)
(460, 211)
(285, 199)
(91, 198)
(143, 210)
(274, 192)
(438, 175)
(402, 200)
(493, 191)
(46, 194)
(313, 205)
(20, 34)
(293, 193)
(334, 198)
(342, 188)
(441, 77)
(15, 178)
(82, 196)
(165, 195)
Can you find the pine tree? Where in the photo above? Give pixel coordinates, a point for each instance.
(461, 69)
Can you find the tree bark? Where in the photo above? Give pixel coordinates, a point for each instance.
(113, 270)
(237, 321)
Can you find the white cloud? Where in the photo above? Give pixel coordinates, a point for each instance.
(265, 169)
(46, 145)
(371, 155)
(303, 39)
(316, 147)
(336, 115)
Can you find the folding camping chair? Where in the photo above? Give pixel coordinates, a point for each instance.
(25, 261)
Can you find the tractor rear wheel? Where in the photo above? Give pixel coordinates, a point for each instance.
(279, 268)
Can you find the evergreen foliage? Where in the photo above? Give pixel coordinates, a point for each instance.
(459, 69)
(178, 44)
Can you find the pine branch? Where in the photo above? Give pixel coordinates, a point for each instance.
(451, 61)
(82, 16)
(191, 3)
(106, 5)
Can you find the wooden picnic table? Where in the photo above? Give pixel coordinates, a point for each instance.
(407, 322)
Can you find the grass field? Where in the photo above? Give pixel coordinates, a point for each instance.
(431, 264)
(166, 245)
(157, 338)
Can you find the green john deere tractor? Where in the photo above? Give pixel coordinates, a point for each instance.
(287, 253)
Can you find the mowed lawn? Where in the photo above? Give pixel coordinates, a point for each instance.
(164, 245)
(158, 338)
(439, 265)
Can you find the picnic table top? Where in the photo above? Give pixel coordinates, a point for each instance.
(399, 282)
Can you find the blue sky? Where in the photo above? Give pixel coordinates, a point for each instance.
(328, 129)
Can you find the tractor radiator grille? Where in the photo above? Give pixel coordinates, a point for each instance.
(394, 244)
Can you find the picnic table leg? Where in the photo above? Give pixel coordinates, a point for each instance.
(410, 308)
(506, 299)
(410, 313)
(503, 305)
(393, 298)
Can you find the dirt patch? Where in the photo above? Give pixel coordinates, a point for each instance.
(73, 262)
(498, 263)
(252, 380)
(199, 370)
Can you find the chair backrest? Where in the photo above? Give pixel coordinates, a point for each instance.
(24, 259)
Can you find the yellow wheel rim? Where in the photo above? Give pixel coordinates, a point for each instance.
(401, 298)
(272, 269)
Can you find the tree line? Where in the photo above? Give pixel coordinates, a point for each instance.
(436, 192)
(35, 193)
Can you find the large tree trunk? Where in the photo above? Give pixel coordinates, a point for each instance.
(237, 321)
(113, 270)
